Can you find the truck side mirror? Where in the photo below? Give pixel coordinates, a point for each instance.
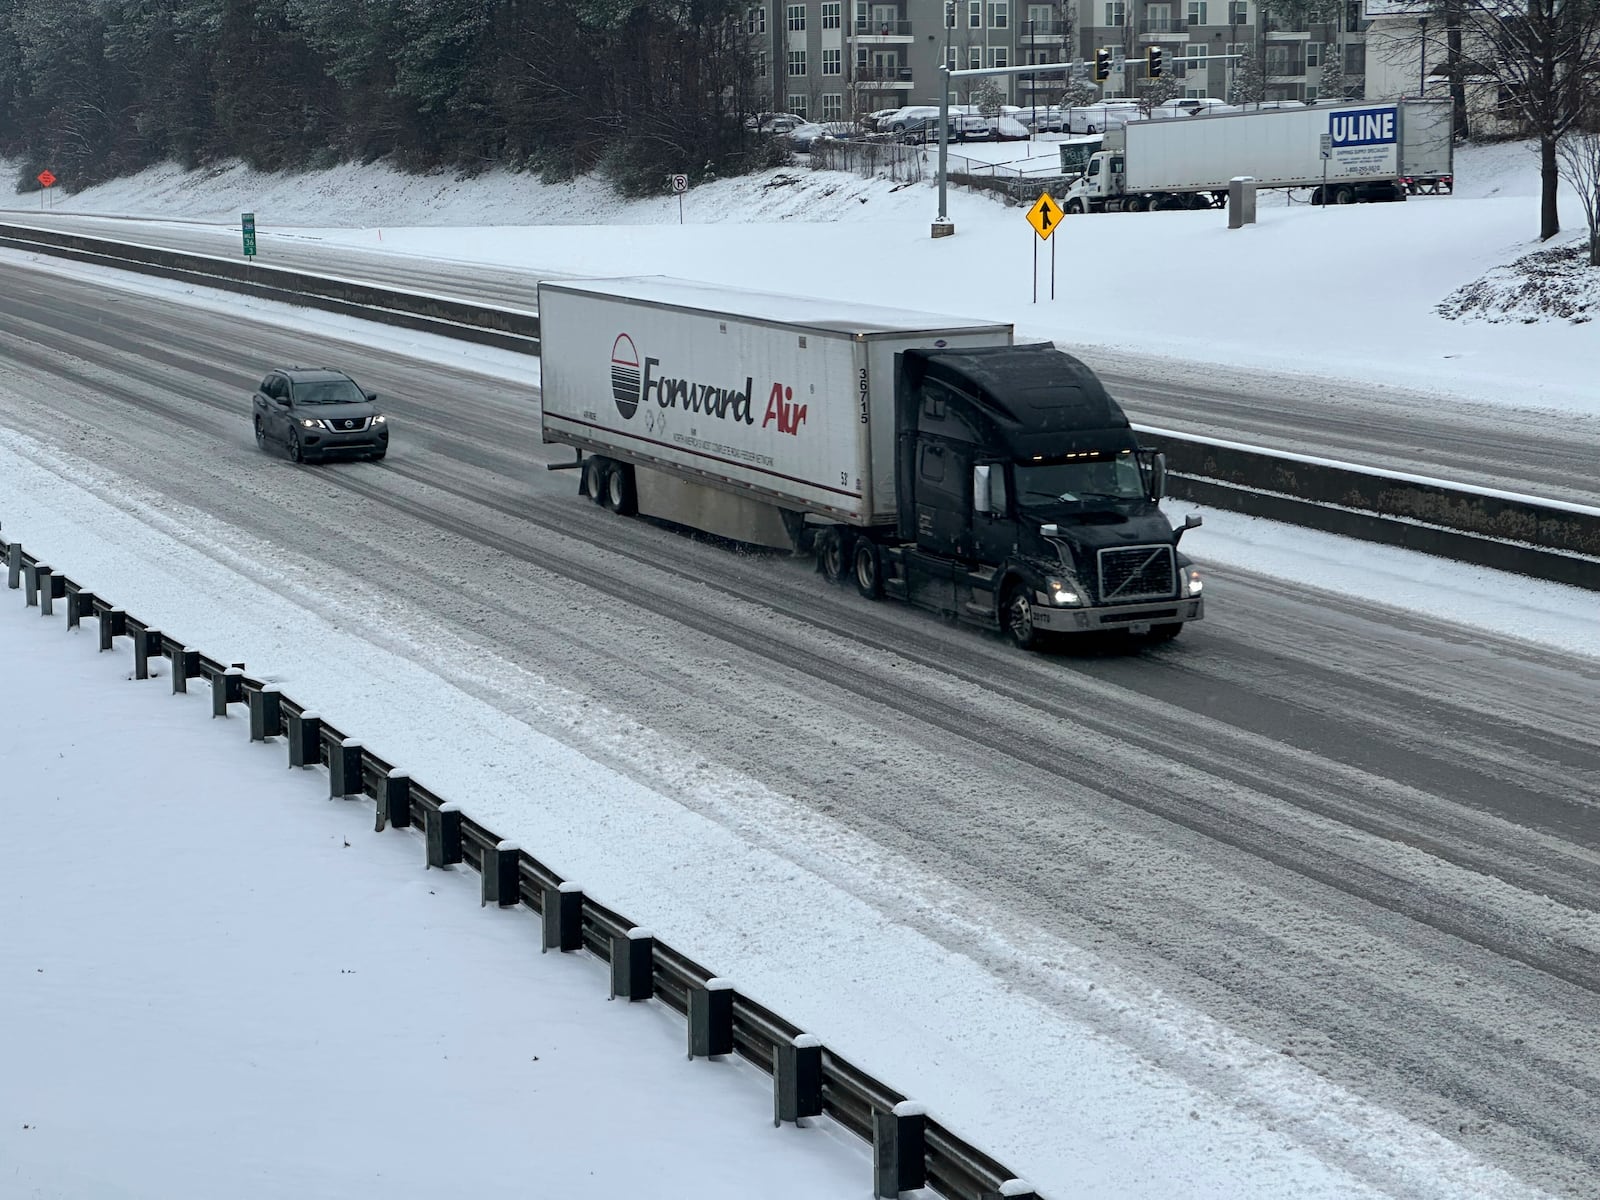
(1156, 464)
(980, 489)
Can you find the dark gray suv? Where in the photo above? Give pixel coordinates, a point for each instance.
(317, 413)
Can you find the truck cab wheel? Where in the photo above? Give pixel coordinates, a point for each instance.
(869, 569)
(595, 471)
(1016, 617)
(1165, 633)
(1133, 204)
(833, 558)
(1074, 207)
(619, 492)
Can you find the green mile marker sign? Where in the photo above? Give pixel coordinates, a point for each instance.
(247, 222)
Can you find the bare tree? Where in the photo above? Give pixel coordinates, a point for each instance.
(1578, 156)
(1543, 57)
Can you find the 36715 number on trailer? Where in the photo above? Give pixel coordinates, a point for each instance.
(926, 457)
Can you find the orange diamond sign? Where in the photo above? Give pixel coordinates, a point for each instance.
(46, 179)
(1044, 215)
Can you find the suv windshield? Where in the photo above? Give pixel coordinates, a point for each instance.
(1055, 483)
(328, 391)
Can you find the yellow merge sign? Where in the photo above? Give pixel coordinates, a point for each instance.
(1044, 215)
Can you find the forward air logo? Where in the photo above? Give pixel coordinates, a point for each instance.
(782, 409)
(1363, 127)
(625, 376)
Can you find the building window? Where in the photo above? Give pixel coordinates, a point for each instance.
(832, 105)
(755, 21)
(830, 61)
(1041, 18)
(1194, 57)
(1238, 12)
(797, 105)
(761, 64)
(1313, 55)
(999, 14)
(1312, 92)
(831, 13)
(797, 18)
(950, 57)
(1197, 12)
(974, 14)
(1116, 13)
(974, 58)
(998, 57)
(862, 59)
(797, 62)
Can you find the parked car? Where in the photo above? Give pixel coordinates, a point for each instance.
(877, 122)
(1188, 106)
(774, 122)
(1007, 129)
(801, 138)
(963, 128)
(318, 413)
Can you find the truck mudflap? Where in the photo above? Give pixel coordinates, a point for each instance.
(1135, 618)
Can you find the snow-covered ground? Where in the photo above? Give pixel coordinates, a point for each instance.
(1338, 292)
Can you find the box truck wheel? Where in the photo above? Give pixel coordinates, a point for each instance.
(869, 569)
(594, 478)
(1016, 617)
(833, 554)
(620, 496)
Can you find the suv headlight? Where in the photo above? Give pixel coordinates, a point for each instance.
(312, 423)
(379, 419)
(1192, 583)
(1062, 591)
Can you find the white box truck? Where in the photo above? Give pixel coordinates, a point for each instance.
(1344, 153)
(927, 457)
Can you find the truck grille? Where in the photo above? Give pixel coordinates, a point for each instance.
(1137, 573)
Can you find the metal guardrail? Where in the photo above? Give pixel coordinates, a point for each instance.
(1528, 536)
(910, 1150)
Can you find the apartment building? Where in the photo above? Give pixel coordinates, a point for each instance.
(832, 59)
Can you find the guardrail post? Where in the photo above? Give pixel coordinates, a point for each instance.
(633, 965)
(146, 645)
(562, 918)
(797, 1079)
(113, 624)
(500, 879)
(266, 713)
(899, 1149)
(80, 604)
(52, 587)
(1013, 1189)
(305, 739)
(442, 827)
(227, 687)
(394, 801)
(711, 1018)
(30, 585)
(40, 589)
(14, 565)
(344, 770)
(185, 666)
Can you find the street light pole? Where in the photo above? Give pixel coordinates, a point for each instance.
(1422, 55)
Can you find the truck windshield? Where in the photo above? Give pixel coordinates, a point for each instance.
(1041, 484)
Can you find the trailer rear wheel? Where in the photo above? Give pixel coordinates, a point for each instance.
(595, 470)
(620, 496)
(833, 557)
(1016, 617)
(869, 569)
(1344, 195)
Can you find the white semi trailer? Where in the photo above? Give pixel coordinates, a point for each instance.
(1344, 153)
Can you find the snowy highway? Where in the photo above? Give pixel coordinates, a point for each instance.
(1365, 839)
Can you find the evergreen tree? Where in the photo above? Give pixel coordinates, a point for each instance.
(1249, 80)
(989, 96)
(1332, 85)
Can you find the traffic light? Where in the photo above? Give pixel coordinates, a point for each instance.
(1102, 64)
(1153, 63)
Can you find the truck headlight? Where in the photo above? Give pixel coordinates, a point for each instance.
(1193, 585)
(1062, 591)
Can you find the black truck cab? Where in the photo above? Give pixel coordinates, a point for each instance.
(1026, 502)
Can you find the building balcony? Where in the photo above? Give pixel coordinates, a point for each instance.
(1043, 29)
(867, 79)
(880, 32)
(1157, 26)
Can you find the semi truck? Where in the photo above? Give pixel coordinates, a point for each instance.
(928, 458)
(1343, 152)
